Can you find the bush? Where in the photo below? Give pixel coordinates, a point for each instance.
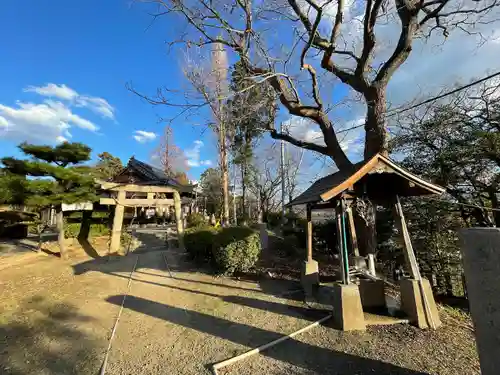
(198, 242)
(236, 249)
(284, 246)
(273, 219)
(71, 230)
(196, 220)
(324, 235)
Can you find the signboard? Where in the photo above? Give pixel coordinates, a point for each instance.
(150, 212)
(81, 206)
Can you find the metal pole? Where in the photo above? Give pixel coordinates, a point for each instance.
(283, 192)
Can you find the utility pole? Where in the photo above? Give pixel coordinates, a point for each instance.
(283, 192)
(234, 196)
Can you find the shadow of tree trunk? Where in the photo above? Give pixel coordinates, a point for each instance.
(83, 235)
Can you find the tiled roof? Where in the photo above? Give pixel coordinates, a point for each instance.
(152, 174)
(313, 193)
(387, 180)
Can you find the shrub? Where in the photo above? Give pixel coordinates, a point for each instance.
(284, 246)
(198, 242)
(273, 219)
(71, 230)
(236, 249)
(196, 220)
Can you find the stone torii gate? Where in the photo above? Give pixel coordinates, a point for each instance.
(142, 185)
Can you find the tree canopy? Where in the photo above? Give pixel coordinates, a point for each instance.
(62, 177)
(457, 145)
(306, 50)
(108, 166)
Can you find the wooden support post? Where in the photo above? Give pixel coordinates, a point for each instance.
(352, 232)
(309, 234)
(114, 246)
(340, 244)
(409, 254)
(178, 219)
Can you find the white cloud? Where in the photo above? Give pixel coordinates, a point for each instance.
(97, 105)
(193, 155)
(51, 120)
(53, 90)
(63, 92)
(143, 136)
(48, 121)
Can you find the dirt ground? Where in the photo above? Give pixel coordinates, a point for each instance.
(56, 318)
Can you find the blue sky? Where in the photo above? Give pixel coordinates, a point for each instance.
(64, 66)
(88, 50)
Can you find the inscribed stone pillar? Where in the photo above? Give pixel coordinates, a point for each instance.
(481, 259)
(310, 269)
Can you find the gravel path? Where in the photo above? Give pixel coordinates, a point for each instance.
(178, 321)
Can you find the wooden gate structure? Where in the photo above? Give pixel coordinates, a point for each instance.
(142, 185)
(381, 181)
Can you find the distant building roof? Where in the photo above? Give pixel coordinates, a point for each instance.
(151, 174)
(138, 172)
(379, 178)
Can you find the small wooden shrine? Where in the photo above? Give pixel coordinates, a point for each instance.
(381, 181)
(144, 186)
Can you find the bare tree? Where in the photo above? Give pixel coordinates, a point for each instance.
(170, 156)
(322, 49)
(265, 180)
(293, 165)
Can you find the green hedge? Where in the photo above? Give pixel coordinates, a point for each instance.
(71, 230)
(236, 249)
(229, 250)
(198, 242)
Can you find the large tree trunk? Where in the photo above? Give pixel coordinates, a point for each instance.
(364, 221)
(375, 126)
(375, 142)
(60, 230)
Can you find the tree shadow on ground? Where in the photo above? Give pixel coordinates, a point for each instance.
(88, 248)
(297, 353)
(44, 338)
(178, 264)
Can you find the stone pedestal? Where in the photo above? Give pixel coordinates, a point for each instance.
(309, 276)
(372, 293)
(347, 310)
(481, 258)
(413, 305)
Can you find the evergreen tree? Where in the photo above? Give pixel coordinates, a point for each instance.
(63, 179)
(108, 166)
(10, 188)
(250, 111)
(211, 187)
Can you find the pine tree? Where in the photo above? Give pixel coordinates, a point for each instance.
(108, 166)
(63, 179)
